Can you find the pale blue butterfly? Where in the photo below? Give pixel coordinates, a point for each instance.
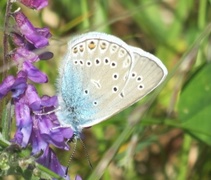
(101, 75)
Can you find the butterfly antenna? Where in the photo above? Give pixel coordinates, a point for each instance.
(87, 155)
(71, 157)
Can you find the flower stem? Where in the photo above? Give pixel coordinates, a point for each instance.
(6, 35)
(7, 109)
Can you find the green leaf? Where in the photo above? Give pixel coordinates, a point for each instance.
(195, 105)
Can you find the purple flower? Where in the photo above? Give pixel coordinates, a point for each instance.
(38, 128)
(78, 177)
(30, 95)
(18, 40)
(43, 32)
(28, 51)
(6, 85)
(35, 4)
(21, 54)
(42, 136)
(36, 36)
(38, 144)
(34, 74)
(55, 136)
(44, 103)
(16, 85)
(27, 111)
(19, 86)
(49, 159)
(36, 122)
(23, 124)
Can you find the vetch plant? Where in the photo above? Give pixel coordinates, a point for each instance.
(36, 129)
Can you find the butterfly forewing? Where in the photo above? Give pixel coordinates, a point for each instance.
(93, 73)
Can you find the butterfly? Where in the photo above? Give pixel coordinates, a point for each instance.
(99, 76)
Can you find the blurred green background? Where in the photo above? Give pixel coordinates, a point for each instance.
(167, 135)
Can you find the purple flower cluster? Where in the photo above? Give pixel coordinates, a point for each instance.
(35, 126)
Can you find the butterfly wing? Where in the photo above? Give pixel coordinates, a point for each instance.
(146, 73)
(92, 74)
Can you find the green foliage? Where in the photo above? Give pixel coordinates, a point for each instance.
(195, 105)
